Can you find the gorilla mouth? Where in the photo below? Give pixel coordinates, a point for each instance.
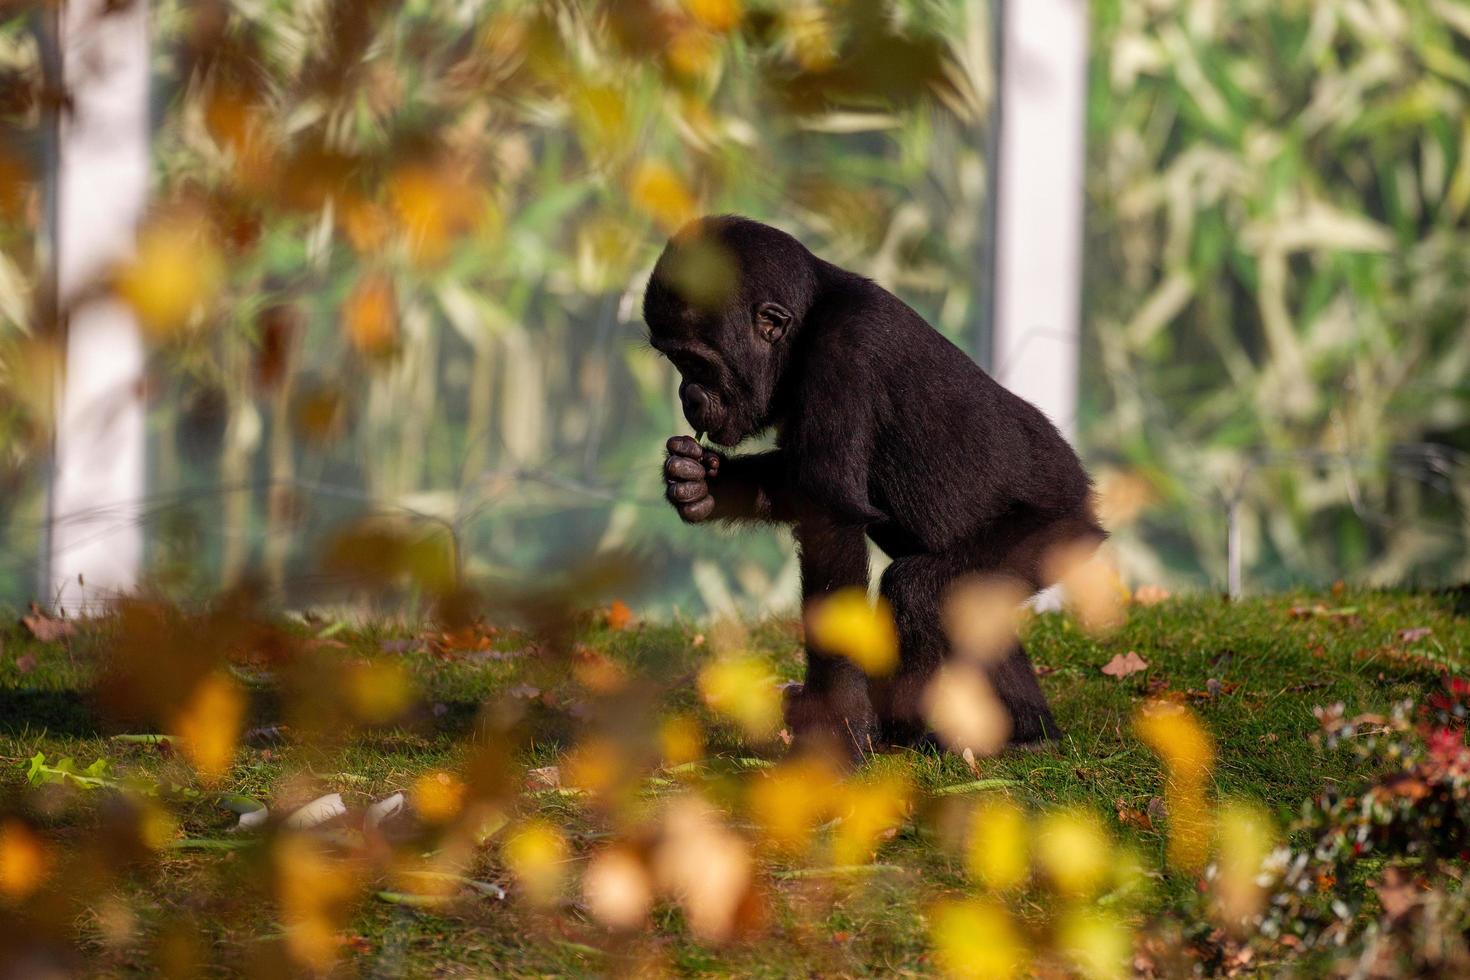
(701, 407)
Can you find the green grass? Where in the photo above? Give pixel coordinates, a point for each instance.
(1271, 668)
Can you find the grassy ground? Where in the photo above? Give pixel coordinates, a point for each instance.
(1252, 671)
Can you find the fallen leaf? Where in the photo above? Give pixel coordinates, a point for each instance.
(547, 777)
(1415, 634)
(1130, 816)
(1150, 595)
(1124, 665)
(1396, 893)
(47, 629)
(25, 663)
(619, 616)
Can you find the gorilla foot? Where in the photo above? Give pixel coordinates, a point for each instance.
(833, 722)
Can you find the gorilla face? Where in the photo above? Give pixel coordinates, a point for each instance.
(725, 324)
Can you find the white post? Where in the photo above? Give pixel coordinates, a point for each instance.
(96, 539)
(1038, 221)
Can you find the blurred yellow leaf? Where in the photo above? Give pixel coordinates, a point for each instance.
(1150, 595)
(370, 315)
(209, 724)
(24, 860)
(1246, 837)
(1178, 738)
(601, 114)
(156, 826)
(982, 616)
(681, 740)
(976, 940)
(848, 624)
(598, 765)
(365, 223)
(438, 796)
(705, 867)
(963, 710)
(1074, 850)
(434, 205)
(1099, 945)
(1188, 753)
(661, 194)
(742, 687)
(1122, 495)
(809, 34)
(791, 799)
(715, 15)
(617, 889)
(379, 690)
(998, 848)
(1093, 588)
(238, 123)
(536, 854)
(175, 272)
(871, 810)
(315, 891)
(691, 52)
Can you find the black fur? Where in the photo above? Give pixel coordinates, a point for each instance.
(885, 430)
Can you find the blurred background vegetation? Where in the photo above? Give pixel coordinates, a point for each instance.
(397, 250)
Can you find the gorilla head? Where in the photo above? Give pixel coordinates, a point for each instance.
(725, 304)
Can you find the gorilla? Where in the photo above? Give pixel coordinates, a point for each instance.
(884, 430)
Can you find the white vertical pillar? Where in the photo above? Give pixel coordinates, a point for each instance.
(96, 540)
(1038, 246)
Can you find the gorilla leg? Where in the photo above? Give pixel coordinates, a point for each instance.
(915, 586)
(832, 705)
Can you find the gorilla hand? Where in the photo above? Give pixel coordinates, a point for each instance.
(687, 471)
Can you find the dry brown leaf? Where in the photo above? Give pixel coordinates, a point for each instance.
(1125, 664)
(1397, 893)
(1131, 816)
(547, 777)
(1150, 595)
(46, 628)
(619, 616)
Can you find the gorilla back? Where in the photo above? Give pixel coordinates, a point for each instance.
(884, 430)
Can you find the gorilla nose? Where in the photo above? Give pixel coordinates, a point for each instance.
(696, 402)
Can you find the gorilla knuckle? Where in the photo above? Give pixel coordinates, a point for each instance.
(683, 468)
(697, 511)
(685, 446)
(687, 491)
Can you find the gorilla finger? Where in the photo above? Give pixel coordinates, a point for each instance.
(698, 510)
(685, 446)
(711, 461)
(683, 468)
(689, 492)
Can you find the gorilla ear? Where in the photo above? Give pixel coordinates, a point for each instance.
(771, 321)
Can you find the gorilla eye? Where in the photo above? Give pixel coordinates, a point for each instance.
(771, 321)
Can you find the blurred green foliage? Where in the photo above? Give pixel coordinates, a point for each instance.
(1277, 284)
(434, 222)
(437, 222)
